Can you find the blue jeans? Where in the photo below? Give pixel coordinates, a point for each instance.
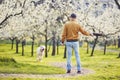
(75, 46)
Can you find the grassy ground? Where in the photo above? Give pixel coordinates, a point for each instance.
(24, 64)
(106, 67)
(114, 48)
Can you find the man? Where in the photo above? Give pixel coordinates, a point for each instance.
(71, 35)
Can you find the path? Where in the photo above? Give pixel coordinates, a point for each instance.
(57, 64)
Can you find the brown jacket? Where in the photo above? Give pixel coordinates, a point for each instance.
(71, 30)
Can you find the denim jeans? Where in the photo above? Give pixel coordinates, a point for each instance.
(75, 46)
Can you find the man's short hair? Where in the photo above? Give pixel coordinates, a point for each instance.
(73, 15)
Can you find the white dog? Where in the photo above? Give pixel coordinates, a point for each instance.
(40, 53)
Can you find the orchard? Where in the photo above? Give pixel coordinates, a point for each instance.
(40, 22)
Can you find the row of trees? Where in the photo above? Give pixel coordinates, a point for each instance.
(20, 19)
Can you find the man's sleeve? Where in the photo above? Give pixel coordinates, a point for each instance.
(64, 34)
(83, 31)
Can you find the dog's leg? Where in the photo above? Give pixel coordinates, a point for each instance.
(40, 58)
(37, 58)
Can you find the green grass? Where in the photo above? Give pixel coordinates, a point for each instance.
(28, 69)
(106, 67)
(24, 64)
(114, 48)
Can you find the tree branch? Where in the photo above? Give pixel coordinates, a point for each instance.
(7, 17)
(117, 3)
(1, 1)
(113, 33)
(41, 33)
(24, 4)
(11, 15)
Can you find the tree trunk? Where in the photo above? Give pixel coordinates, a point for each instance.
(119, 55)
(105, 45)
(12, 44)
(22, 50)
(46, 53)
(65, 55)
(32, 48)
(17, 44)
(58, 40)
(119, 46)
(115, 43)
(46, 37)
(12, 41)
(54, 49)
(118, 41)
(94, 46)
(57, 47)
(23, 44)
(54, 44)
(87, 47)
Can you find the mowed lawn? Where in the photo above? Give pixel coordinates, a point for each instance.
(106, 67)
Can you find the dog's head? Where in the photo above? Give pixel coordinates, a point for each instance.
(42, 48)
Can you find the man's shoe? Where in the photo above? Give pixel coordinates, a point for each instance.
(68, 71)
(79, 72)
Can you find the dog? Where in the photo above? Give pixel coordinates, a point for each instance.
(40, 53)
